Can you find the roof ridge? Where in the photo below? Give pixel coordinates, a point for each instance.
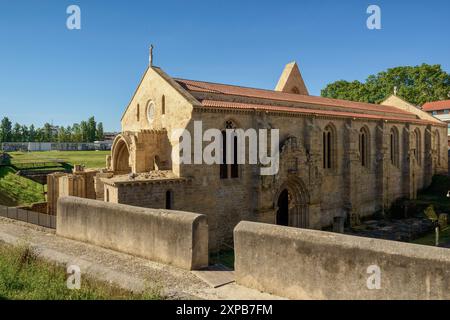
(292, 95)
(230, 85)
(437, 101)
(348, 114)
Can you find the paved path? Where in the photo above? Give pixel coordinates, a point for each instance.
(123, 270)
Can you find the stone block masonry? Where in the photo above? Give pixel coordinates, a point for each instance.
(172, 237)
(310, 264)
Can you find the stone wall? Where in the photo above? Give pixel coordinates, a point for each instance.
(309, 264)
(171, 237)
(53, 192)
(79, 184)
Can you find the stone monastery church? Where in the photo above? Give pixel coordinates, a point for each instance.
(337, 158)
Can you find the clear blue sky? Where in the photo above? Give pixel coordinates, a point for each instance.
(50, 73)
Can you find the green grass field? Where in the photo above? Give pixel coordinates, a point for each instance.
(25, 276)
(90, 159)
(436, 195)
(16, 190)
(430, 239)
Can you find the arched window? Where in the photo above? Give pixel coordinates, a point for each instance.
(150, 111)
(329, 147)
(295, 90)
(394, 147)
(163, 104)
(363, 144)
(169, 199)
(138, 112)
(107, 195)
(417, 146)
(229, 169)
(234, 165)
(223, 165)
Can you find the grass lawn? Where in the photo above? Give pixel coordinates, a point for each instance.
(24, 276)
(17, 190)
(435, 195)
(225, 257)
(90, 159)
(429, 239)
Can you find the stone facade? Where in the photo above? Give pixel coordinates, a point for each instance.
(337, 158)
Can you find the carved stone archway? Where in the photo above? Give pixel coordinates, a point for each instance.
(291, 203)
(120, 159)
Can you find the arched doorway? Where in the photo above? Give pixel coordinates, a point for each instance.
(292, 205)
(283, 208)
(120, 156)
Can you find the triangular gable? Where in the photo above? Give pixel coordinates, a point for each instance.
(396, 101)
(291, 80)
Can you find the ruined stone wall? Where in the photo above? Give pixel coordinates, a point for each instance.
(53, 192)
(150, 194)
(79, 184)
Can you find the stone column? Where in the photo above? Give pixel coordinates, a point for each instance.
(351, 172)
(382, 145)
(430, 156)
(313, 143)
(407, 164)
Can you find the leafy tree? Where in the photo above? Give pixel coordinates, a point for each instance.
(77, 135)
(69, 135)
(99, 132)
(5, 130)
(32, 134)
(84, 131)
(62, 135)
(417, 85)
(47, 132)
(91, 129)
(17, 133)
(25, 134)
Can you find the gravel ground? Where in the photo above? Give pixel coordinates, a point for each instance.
(123, 270)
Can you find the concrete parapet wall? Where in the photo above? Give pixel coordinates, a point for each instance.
(171, 237)
(309, 264)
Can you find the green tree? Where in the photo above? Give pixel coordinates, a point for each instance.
(77, 135)
(32, 134)
(17, 133)
(84, 131)
(25, 134)
(99, 131)
(5, 130)
(62, 134)
(47, 132)
(69, 135)
(417, 85)
(92, 128)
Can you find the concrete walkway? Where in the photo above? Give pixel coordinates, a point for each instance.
(123, 270)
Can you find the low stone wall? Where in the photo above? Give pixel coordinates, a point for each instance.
(309, 264)
(171, 237)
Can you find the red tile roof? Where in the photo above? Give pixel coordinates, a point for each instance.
(250, 106)
(208, 87)
(436, 105)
